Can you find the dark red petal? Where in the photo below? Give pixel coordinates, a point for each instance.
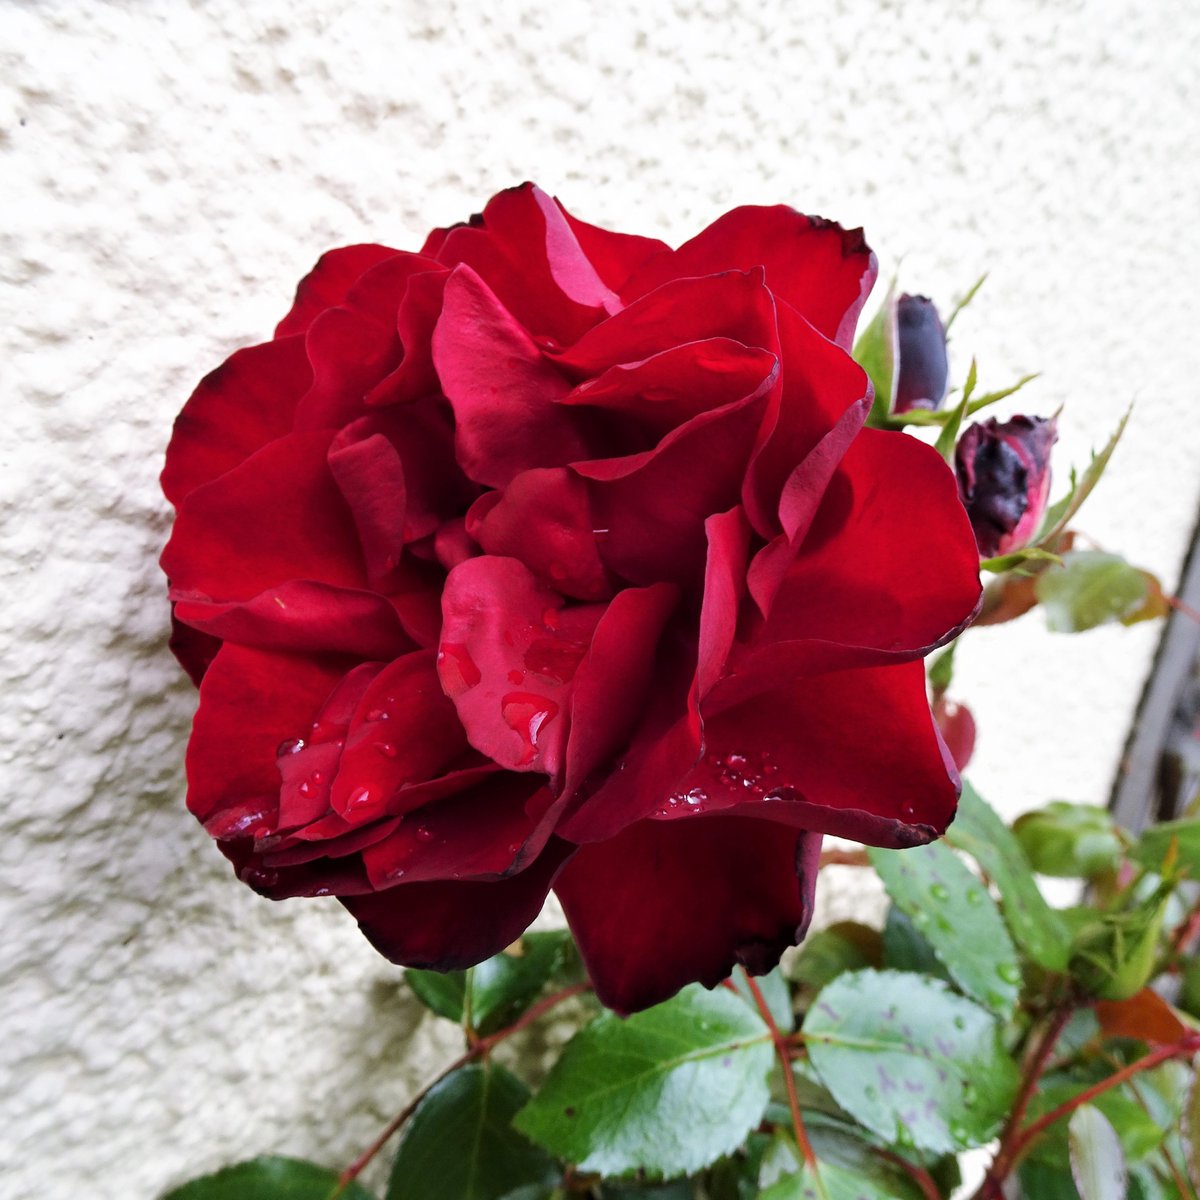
(652, 507)
(526, 250)
(251, 701)
(404, 730)
(544, 518)
(724, 586)
(490, 831)
(508, 654)
(304, 616)
(245, 403)
(821, 269)
(615, 256)
(328, 282)
(502, 388)
(957, 727)
(663, 905)
(616, 679)
(852, 753)
(193, 649)
(881, 579)
(415, 321)
(278, 516)
(821, 388)
(450, 925)
(671, 387)
(733, 305)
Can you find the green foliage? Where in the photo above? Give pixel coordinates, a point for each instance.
(501, 988)
(1034, 925)
(666, 1091)
(1113, 955)
(914, 1063)
(267, 1178)
(844, 946)
(1059, 514)
(875, 352)
(460, 1144)
(1072, 841)
(948, 437)
(1091, 588)
(846, 1168)
(1180, 839)
(957, 916)
(1097, 1163)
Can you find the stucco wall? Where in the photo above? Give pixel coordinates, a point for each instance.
(168, 171)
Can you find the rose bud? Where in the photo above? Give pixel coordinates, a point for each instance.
(921, 366)
(1004, 480)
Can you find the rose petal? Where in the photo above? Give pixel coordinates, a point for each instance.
(544, 518)
(447, 926)
(658, 907)
(528, 252)
(415, 321)
(301, 529)
(251, 701)
(508, 654)
(326, 285)
(245, 403)
(851, 753)
(821, 269)
(502, 388)
(615, 256)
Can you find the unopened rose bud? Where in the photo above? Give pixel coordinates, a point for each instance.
(1113, 957)
(1004, 480)
(921, 367)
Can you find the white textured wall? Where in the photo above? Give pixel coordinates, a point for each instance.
(168, 171)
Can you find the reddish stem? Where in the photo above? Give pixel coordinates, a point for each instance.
(479, 1048)
(1183, 607)
(919, 1176)
(1188, 1045)
(789, 1080)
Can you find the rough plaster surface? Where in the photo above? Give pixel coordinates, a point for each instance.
(169, 170)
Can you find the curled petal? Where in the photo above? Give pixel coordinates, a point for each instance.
(327, 284)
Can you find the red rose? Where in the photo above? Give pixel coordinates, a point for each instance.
(550, 556)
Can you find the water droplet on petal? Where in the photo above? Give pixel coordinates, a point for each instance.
(248, 819)
(457, 668)
(306, 787)
(908, 810)
(378, 714)
(290, 746)
(550, 619)
(695, 797)
(387, 749)
(555, 659)
(424, 833)
(358, 798)
(515, 676)
(318, 777)
(527, 715)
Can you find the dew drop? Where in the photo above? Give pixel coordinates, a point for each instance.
(695, 797)
(1009, 972)
(358, 798)
(424, 833)
(736, 762)
(871, 1093)
(396, 873)
(555, 659)
(969, 1095)
(958, 1131)
(908, 810)
(974, 897)
(290, 746)
(306, 787)
(960, 1023)
(387, 749)
(995, 1000)
(514, 847)
(378, 714)
(259, 877)
(318, 777)
(249, 819)
(457, 668)
(527, 715)
(550, 619)
(939, 891)
(515, 676)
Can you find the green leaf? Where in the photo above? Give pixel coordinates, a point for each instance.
(1070, 841)
(667, 1091)
(1091, 588)
(843, 946)
(913, 1062)
(1152, 847)
(775, 992)
(1045, 1182)
(949, 435)
(1137, 1131)
(1006, 562)
(502, 987)
(268, 1178)
(941, 670)
(1097, 1164)
(1060, 513)
(875, 352)
(678, 1189)
(1035, 926)
(971, 293)
(460, 1144)
(906, 949)
(846, 1169)
(1190, 1128)
(957, 916)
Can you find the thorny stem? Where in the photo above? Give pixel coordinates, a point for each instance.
(480, 1048)
(789, 1079)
